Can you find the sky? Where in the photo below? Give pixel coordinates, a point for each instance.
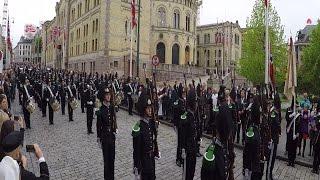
(293, 13)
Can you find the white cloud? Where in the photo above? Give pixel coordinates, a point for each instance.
(293, 13)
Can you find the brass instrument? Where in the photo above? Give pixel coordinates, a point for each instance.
(30, 104)
(54, 103)
(72, 100)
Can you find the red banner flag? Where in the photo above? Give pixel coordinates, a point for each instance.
(133, 14)
(266, 3)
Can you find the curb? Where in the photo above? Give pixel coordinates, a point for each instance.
(238, 146)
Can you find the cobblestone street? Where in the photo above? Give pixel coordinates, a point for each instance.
(71, 154)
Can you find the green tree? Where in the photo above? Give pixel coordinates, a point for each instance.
(252, 65)
(309, 72)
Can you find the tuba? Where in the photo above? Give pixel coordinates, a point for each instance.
(72, 100)
(30, 104)
(54, 103)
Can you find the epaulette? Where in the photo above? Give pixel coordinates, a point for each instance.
(250, 132)
(273, 114)
(209, 156)
(215, 109)
(184, 116)
(136, 129)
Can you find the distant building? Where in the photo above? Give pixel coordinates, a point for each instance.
(219, 47)
(95, 36)
(303, 40)
(22, 52)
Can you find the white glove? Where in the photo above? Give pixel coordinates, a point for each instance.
(292, 115)
(246, 173)
(158, 158)
(90, 102)
(270, 145)
(99, 142)
(294, 137)
(115, 133)
(47, 99)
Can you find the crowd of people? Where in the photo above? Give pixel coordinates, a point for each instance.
(248, 116)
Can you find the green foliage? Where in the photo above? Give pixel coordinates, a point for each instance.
(252, 63)
(309, 72)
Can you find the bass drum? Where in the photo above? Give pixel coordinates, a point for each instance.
(54, 103)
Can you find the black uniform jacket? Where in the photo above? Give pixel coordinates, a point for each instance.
(44, 173)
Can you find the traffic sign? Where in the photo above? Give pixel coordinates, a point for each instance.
(155, 60)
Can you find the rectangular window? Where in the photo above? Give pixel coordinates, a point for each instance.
(93, 26)
(92, 47)
(116, 64)
(94, 66)
(97, 24)
(96, 45)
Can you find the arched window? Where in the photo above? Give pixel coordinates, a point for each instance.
(162, 17)
(161, 52)
(176, 19)
(175, 54)
(187, 55)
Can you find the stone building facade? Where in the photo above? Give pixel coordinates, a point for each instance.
(95, 35)
(219, 47)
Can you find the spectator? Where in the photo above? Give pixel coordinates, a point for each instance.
(44, 171)
(9, 167)
(3, 109)
(7, 128)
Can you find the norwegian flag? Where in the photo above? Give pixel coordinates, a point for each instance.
(9, 44)
(266, 3)
(133, 14)
(271, 70)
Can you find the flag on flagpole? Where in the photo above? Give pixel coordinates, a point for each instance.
(266, 3)
(9, 44)
(272, 72)
(133, 14)
(291, 76)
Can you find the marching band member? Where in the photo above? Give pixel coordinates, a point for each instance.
(106, 132)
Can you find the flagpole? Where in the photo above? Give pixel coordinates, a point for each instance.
(131, 52)
(266, 80)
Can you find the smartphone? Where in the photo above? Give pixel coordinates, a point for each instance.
(16, 118)
(30, 148)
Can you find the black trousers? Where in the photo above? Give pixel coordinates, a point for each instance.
(316, 159)
(148, 170)
(191, 165)
(44, 107)
(89, 118)
(83, 103)
(26, 116)
(130, 104)
(70, 112)
(179, 147)
(108, 150)
(50, 115)
(63, 106)
(292, 149)
(272, 158)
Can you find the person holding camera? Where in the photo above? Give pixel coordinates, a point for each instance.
(13, 165)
